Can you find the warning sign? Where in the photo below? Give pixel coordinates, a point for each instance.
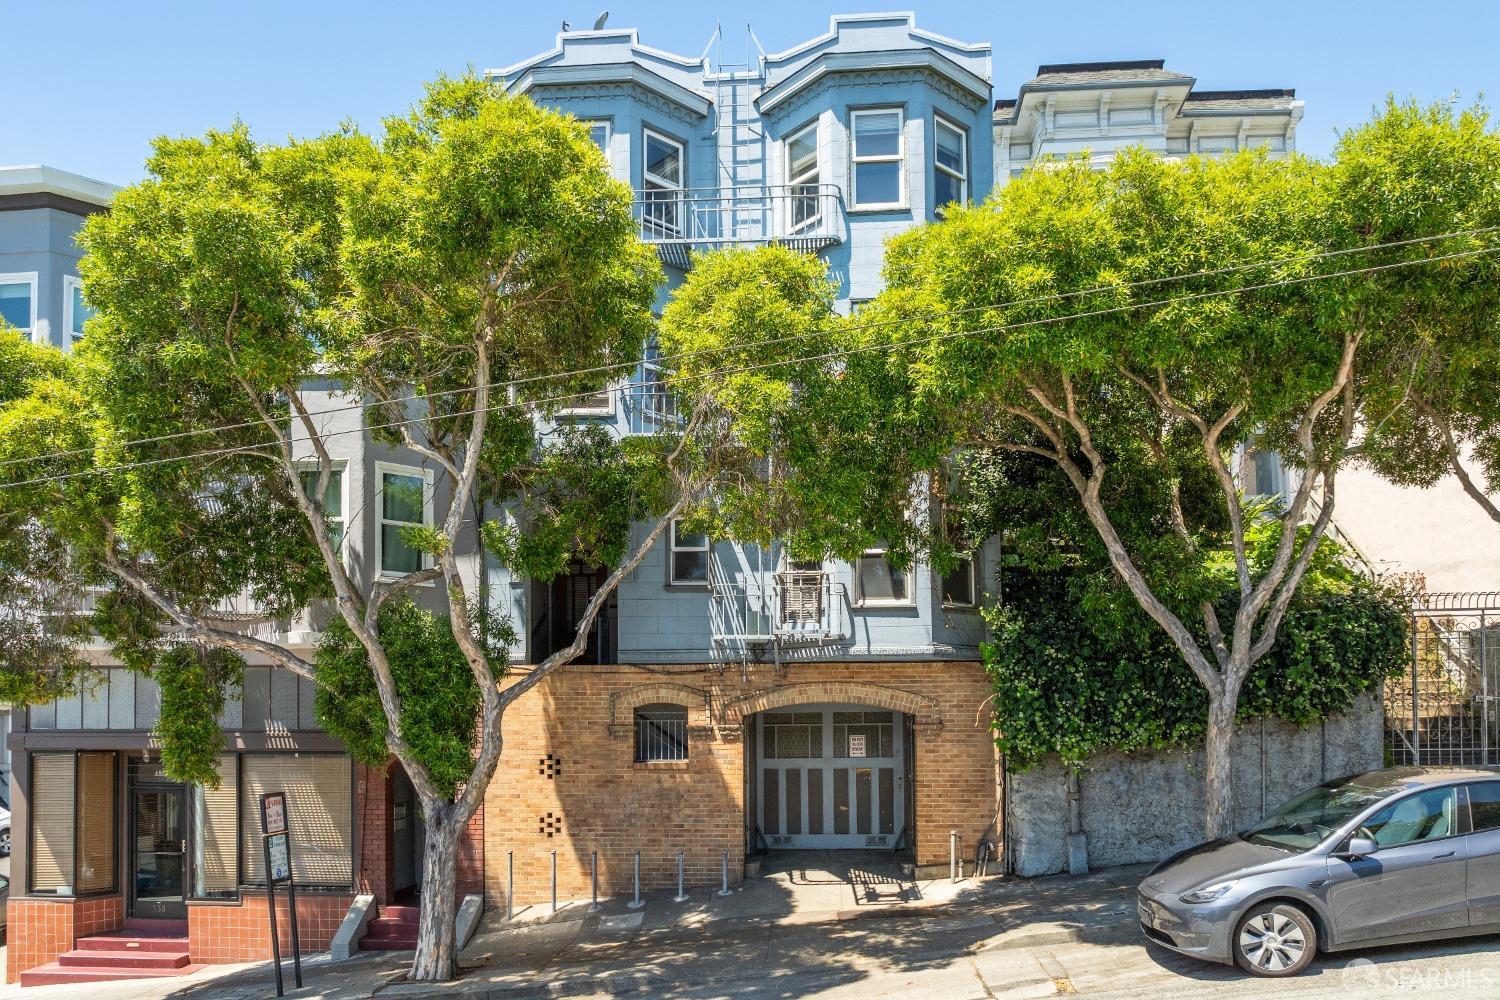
(856, 746)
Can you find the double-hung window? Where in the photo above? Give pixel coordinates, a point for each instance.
(333, 501)
(802, 178)
(689, 556)
(879, 582)
(18, 301)
(405, 501)
(663, 181)
(76, 311)
(878, 145)
(950, 176)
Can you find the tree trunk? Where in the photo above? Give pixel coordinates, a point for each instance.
(1219, 769)
(437, 959)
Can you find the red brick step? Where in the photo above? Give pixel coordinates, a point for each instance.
(146, 949)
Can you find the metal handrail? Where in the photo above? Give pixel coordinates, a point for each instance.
(791, 607)
(760, 213)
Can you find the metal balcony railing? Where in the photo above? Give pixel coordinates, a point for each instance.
(791, 607)
(810, 216)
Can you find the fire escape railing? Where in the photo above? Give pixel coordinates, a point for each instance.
(789, 609)
(807, 215)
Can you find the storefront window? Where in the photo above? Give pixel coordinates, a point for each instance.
(320, 816)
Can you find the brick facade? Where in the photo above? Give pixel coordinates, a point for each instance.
(50, 926)
(568, 781)
(241, 931)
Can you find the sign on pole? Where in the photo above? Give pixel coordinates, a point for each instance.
(278, 848)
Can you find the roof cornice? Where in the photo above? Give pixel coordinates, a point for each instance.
(587, 74)
(859, 62)
(36, 179)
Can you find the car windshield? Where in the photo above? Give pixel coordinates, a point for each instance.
(1306, 820)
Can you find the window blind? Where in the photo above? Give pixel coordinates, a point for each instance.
(96, 822)
(217, 822)
(320, 815)
(52, 806)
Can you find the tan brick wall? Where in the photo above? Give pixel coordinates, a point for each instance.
(568, 769)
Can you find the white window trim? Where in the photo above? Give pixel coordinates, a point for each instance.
(909, 601)
(971, 560)
(793, 180)
(899, 158)
(607, 410)
(938, 122)
(70, 282)
(609, 131)
(26, 278)
(647, 176)
(381, 468)
(673, 548)
(342, 468)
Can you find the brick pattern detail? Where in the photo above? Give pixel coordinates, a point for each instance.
(550, 767)
(616, 806)
(39, 930)
(372, 805)
(229, 932)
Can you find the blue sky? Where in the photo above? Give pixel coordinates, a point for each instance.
(86, 92)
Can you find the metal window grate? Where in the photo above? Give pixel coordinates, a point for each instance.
(660, 733)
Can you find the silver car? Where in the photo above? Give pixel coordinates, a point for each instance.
(1404, 854)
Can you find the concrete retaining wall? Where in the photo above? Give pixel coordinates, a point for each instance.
(1146, 806)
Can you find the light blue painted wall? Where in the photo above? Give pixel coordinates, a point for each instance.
(40, 240)
(733, 123)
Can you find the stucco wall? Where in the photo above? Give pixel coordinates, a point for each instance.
(1145, 807)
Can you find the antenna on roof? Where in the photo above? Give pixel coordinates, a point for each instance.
(566, 26)
(599, 21)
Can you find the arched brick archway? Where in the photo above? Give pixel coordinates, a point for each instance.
(622, 704)
(924, 710)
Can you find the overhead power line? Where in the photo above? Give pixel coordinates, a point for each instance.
(783, 362)
(686, 355)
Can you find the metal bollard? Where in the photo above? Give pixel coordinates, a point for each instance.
(510, 885)
(637, 902)
(554, 881)
(681, 891)
(952, 855)
(724, 874)
(594, 882)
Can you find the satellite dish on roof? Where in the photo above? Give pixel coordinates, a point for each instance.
(599, 21)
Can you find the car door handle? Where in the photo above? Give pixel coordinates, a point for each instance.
(1439, 857)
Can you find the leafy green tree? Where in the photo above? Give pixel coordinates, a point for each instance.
(1415, 171)
(1134, 327)
(244, 288)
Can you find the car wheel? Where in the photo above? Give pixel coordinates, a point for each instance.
(5, 843)
(1275, 939)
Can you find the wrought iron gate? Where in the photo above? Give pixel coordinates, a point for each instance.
(1443, 709)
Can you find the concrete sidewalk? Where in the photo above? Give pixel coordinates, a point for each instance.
(816, 923)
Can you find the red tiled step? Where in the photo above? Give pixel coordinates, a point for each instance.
(124, 959)
(125, 941)
(156, 926)
(55, 972)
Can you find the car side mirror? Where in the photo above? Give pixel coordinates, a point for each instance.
(1359, 847)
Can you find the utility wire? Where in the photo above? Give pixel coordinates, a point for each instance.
(877, 324)
(745, 369)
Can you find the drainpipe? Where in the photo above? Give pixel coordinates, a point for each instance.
(1078, 841)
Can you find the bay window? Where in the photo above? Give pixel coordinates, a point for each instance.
(950, 176)
(802, 177)
(663, 176)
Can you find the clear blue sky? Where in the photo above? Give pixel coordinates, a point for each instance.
(86, 91)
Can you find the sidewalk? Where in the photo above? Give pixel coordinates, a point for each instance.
(816, 924)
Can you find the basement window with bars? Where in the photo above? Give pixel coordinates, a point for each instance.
(74, 821)
(660, 733)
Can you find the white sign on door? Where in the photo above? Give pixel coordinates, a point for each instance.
(856, 746)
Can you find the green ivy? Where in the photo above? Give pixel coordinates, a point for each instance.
(193, 681)
(1070, 684)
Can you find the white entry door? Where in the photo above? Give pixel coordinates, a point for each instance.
(830, 776)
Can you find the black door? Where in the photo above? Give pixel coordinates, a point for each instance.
(158, 853)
